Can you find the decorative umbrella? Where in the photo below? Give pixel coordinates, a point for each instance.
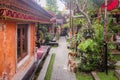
(112, 4)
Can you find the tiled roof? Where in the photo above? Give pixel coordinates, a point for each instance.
(26, 10)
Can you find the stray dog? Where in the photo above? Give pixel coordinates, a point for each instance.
(71, 54)
(73, 66)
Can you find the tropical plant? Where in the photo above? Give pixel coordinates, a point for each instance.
(99, 2)
(41, 36)
(89, 56)
(66, 25)
(75, 40)
(87, 45)
(51, 5)
(92, 49)
(47, 38)
(92, 42)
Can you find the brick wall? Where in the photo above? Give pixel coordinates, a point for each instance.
(32, 38)
(8, 48)
(1, 51)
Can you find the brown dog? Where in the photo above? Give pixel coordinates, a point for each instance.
(71, 54)
(73, 66)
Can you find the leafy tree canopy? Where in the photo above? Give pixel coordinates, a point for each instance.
(52, 5)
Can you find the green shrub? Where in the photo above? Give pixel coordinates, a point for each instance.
(47, 38)
(92, 49)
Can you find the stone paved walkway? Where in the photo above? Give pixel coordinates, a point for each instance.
(60, 70)
(118, 63)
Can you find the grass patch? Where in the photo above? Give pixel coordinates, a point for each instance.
(55, 46)
(50, 68)
(110, 76)
(116, 57)
(117, 67)
(83, 76)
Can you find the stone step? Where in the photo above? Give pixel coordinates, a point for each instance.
(95, 75)
(117, 73)
(118, 63)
